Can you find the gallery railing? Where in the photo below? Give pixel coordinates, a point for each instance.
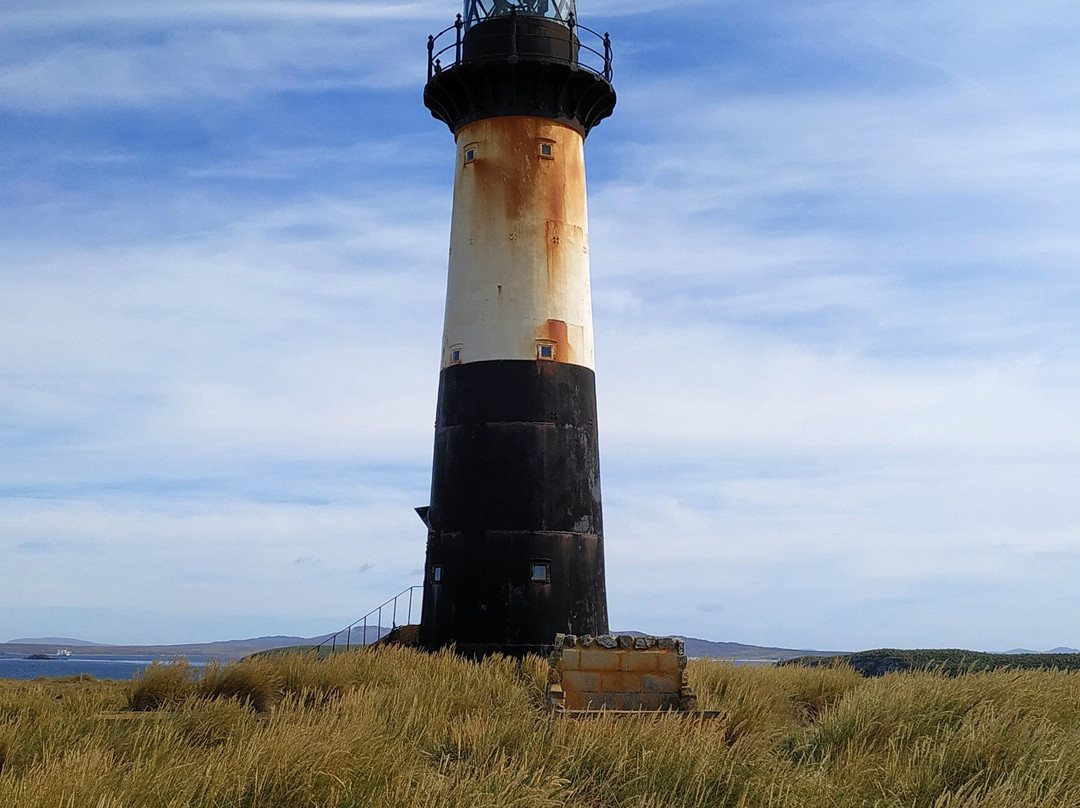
(591, 50)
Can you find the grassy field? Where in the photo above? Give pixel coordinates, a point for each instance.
(395, 727)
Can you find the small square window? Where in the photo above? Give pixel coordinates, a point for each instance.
(540, 571)
(470, 153)
(436, 573)
(455, 355)
(547, 149)
(545, 350)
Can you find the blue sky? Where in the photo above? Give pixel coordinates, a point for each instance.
(835, 282)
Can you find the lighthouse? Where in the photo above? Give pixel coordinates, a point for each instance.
(515, 550)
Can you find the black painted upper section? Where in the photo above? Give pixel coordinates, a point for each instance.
(516, 449)
(520, 65)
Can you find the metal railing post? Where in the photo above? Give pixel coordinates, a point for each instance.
(458, 24)
(411, 588)
(570, 24)
(393, 619)
(378, 626)
(430, 57)
(513, 33)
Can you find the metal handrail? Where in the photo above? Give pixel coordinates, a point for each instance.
(435, 57)
(378, 610)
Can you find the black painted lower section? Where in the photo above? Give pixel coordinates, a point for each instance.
(515, 483)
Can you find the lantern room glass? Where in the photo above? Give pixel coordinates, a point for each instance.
(480, 10)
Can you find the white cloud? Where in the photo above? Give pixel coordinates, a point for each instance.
(136, 60)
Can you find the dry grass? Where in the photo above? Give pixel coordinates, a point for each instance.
(393, 727)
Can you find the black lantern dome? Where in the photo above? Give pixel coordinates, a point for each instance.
(529, 57)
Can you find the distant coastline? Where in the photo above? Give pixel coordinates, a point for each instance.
(235, 649)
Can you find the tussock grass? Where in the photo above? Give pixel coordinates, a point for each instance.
(395, 727)
(160, 685)
(256, 682)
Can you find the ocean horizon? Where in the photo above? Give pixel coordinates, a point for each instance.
(116, 668)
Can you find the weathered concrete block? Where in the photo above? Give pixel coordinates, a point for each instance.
(617, 673)
(639, 661)
(667, 663)
(601, 701)
(574, 701)
(669, 701)
(620, 682)
(580, 681)
(598, 659)
(639, 701)
(666, 683)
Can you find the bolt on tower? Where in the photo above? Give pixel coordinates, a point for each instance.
(515, 534)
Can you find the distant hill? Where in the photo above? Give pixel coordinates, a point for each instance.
(68, 641)
(225, 649)
(740, 652)
(1064, 650)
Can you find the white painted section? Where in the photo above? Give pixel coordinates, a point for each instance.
(519, 249)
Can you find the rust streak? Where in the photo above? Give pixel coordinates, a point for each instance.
(555, 331)
(509, 171)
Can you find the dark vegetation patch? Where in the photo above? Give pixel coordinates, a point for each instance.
(949, 661)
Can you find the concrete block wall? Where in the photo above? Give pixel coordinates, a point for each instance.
(618, 673)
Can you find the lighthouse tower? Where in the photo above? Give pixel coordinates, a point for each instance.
(515, 539)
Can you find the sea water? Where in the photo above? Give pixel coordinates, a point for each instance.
(99, 666)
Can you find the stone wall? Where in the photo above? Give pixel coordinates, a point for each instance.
(621, 673)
